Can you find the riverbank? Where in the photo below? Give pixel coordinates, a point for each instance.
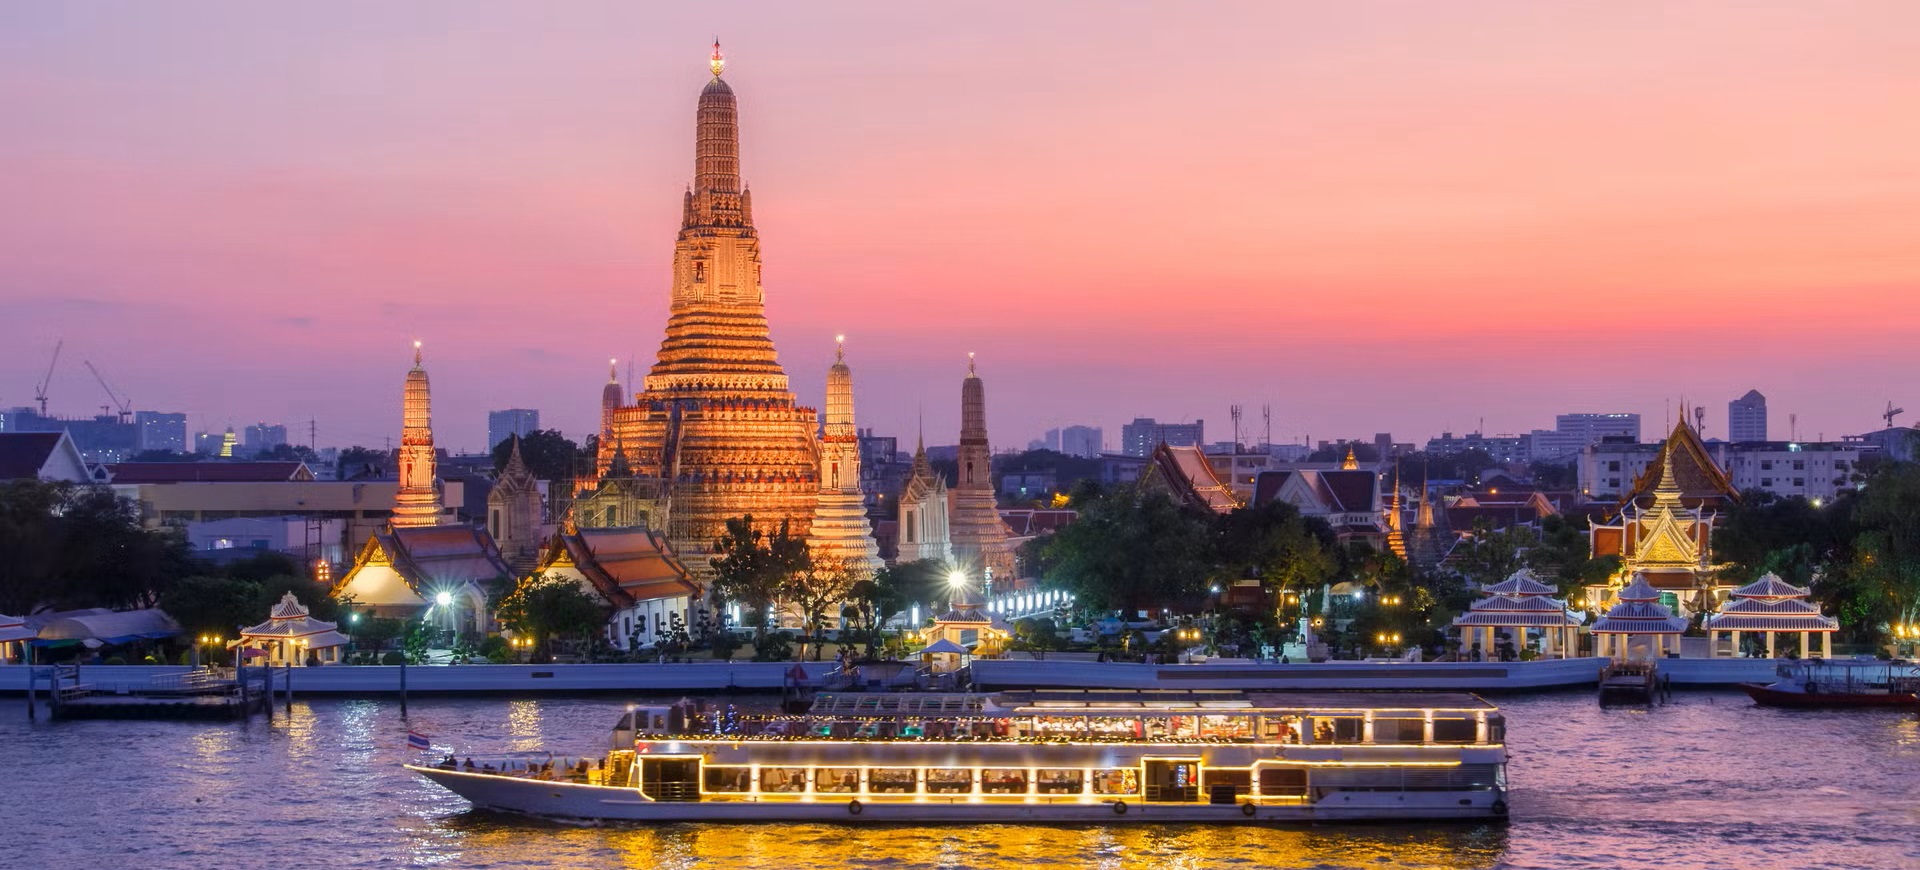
(569, 680)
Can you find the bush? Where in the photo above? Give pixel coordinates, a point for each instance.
(114, 660)
(186, 657)
(774, 647)
(724, 643)
(394, 658)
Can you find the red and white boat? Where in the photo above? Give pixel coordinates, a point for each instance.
(1819, 683)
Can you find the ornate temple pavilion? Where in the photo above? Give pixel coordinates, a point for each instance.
(714, 431)
(1638, 617)
(447, 570)
(1771, 606)
(634, 571)
(1519, 604)
(1663, 531)
(291, 637)
(968, 625)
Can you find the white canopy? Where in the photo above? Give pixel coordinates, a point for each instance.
(289, 622)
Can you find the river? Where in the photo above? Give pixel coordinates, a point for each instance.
(1707, 781)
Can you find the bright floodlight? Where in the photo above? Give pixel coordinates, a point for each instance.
(956, 577)
(1359, 595)
(444, 599)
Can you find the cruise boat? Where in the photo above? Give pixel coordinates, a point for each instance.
(1039, 756)
(1840, 683)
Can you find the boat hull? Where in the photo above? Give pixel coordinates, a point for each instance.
(564, 800)
(1768, 696)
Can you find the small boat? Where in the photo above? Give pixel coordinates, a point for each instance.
(1820, 683)
(1057, 756)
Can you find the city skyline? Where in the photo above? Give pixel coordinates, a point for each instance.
(1501, 213)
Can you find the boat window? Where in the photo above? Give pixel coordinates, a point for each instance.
(1336, 729)
(1060, 780)
(1399, 730)
(1280, 729)
(729, 779)
(1117, 780)
(949, 780)
(1059, 726)
(1283, 781)
(1496, 728)
(1004, 780)
(1223, 781)
(1453, 730)
(892, 780)
(783, 779)
(1226, 727)
(1115, 728)
(836, 780)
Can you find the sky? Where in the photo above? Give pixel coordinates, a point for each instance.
(1404, 217)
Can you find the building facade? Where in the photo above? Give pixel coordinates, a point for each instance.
(1813, 470)
(1139, 437)
(160, 431)
(261, 437)
(510, 423)
(1572, 432)
(1747, 418)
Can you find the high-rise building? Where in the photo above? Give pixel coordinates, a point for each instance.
(1139, 437)
(160, 431)
(417, 503)
(979, 537)
(714, 432)
(1747, 418)
(260, 437)
(1082, 441)
(1572, 432)
(502, 425)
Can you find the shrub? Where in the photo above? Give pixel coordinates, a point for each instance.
(774, 647)
(114, 660)
(394, 658)
(724, 643)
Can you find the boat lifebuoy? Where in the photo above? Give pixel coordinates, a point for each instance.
(855, 808)
(1119, 808)
(1248, 810)
(1500, 807)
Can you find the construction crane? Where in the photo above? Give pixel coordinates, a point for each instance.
(125, 404)
(1891, 413)
(40, 392)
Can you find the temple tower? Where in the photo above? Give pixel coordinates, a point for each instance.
(714, 431)
(840, 530)
(979, 537)
(513, 512)
(417, 502)
(611, 397)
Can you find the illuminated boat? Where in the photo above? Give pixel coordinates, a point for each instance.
(1085, 755)
(1040, 756)
(1818, 683)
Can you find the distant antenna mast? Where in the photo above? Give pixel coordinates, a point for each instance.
(1793, 427)
(1266, 441)
(1700, 420)
(1234, 412)
(313, 434)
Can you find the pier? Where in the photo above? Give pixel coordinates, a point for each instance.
(65, 692)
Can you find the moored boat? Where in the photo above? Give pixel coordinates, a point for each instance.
(1820, 683)
(1042, 756)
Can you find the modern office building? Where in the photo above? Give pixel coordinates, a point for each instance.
(1139, 437)
(507, 423)
(1747, 418)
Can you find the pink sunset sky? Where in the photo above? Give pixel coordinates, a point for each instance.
(1402, 217)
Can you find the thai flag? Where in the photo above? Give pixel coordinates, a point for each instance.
(417, 740)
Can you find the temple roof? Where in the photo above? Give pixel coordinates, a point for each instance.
(626, 565)
(1186, 473)
(1699, 478)
(433, 556)
(1770, 586)
(289, 621)
(1520, 584)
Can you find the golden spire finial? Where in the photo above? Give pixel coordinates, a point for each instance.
(1351, 463)
(613, 370)
(717, 62)
(970, 362)
(416, 353)
(840, 348)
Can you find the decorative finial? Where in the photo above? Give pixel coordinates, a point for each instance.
(717, 62)
(970, 362)
(840, 348)
(613, 370)
(416, 353)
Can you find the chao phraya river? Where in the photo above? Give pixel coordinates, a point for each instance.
(1709, 781)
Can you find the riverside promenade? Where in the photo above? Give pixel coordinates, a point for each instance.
(1052, 672)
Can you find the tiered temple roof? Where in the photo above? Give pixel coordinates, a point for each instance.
(625, 565)
(1520, 601)
(1770, 604)
(1185, 473)
(1639, 611)
(288, 622)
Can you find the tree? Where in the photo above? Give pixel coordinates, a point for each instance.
(549, 607)
(1881, 583)
(213, 605)
(547, 453)
(357, 462)
(287, 453)
(65, 546)
(904, 584)
(1273, 544)
(1763, 524)
(1131, 550)
(752, 567)
(819, 586)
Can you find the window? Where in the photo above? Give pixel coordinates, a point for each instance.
(1613, 465)
(1800, 481)
(1118, 780)
(1766, 465)
(1283, 781)
(1451, 730)
(1766, 481)
(1060, 780)
(892, 780)
(1799, 465)
(836, 780)
(1337, 729)
(729, 779)
(1011, 780)
(1399, 730)
(949, 780)
(783, 779)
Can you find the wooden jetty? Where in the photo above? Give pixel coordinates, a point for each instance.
(203, 693)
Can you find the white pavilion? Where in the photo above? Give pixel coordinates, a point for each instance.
(1771, 606)
(289, 634)
(1517, 604)
(14, 635)
(1638, 614)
